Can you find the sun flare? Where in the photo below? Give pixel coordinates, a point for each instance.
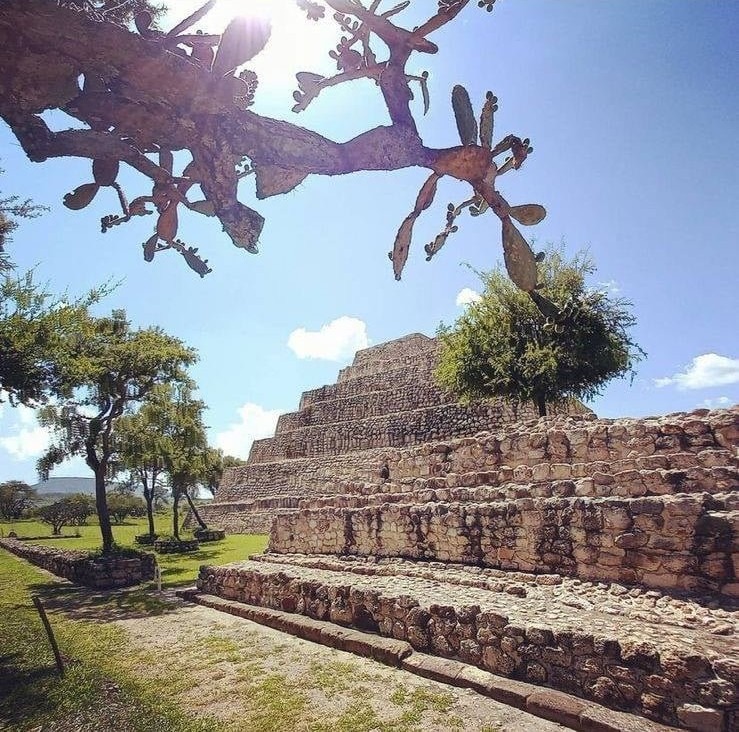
(296, 43)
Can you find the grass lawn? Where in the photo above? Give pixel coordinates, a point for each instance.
(31, 692)
(177, 569)
(98, 687)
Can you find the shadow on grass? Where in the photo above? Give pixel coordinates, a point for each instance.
(82, 603)
(23, 691)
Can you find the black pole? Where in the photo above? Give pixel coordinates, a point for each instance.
(49, 633)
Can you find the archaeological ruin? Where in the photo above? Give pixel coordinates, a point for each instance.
(351, 431)
(596, 557)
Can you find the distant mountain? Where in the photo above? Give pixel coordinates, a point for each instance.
(66, 485)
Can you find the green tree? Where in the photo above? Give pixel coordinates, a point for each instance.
(140, 443)
(121, 506)
(13, 208)
(115, 368)
(187, 460)
(81, 507)
(16, 497)
(38, 336)
(561, 340)
(59, 514)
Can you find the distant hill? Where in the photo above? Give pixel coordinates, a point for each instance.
(65, 486)
(55, 489)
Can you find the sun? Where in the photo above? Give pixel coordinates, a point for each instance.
(296, 43)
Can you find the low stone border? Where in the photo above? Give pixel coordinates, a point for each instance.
(209, 534)
(78, 567)
(171, 546)
(634, 676)
(146, 539)
(44, 538)
(556, 706)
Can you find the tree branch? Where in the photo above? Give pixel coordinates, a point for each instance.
(137, 95)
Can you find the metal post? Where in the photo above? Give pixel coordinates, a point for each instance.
(50, 634)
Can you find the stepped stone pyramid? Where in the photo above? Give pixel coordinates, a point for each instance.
(350, 431)
(596, 557)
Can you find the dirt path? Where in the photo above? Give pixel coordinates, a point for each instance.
(254, 678)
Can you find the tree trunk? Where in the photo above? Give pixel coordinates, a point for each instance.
(195, 511)
(175, 514)
(541, 404)
(101, 504)
(149, 498)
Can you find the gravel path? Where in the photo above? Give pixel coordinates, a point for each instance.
(252, 677)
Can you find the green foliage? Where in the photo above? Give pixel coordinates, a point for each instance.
(122, 506)
(504, 346)
(80, 507)
(74, 510)
(112, 368)
(16, 497)
(38, 333)
(13, 208)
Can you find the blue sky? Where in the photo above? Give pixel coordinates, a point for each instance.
(632, 109)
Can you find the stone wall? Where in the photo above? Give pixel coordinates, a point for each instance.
(407, 351)
(76, 566)
(685, 543)
(651, 501)
(607, 666)
(407, 426)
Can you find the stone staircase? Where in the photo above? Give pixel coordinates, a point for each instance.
(345, 432)
(595, 557)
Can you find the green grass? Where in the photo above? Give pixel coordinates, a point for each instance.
(96, 681)
(177, 569)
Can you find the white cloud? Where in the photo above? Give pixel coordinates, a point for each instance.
(335, 341)
(467, 296)
(28, 442)
(24, 438)
(703, 372)
(717, 403)
(610, 287)
(256, 422)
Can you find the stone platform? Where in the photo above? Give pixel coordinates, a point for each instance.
(672, 660)
(596, 557)
(353, 430)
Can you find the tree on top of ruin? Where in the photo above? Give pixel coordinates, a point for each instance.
(144, 94)
(562, 341)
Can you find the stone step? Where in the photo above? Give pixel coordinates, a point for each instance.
(631, 650)
(360, 406)
(577, 480)
(397, 429)
(396, 374)
(556, 706)
(682, 542)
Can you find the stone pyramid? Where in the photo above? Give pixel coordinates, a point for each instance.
(596, 557)
(349, 431)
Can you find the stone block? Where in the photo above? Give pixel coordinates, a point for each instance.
(556, 706)
(700, 719)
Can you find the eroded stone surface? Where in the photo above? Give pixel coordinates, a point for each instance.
(629, 649)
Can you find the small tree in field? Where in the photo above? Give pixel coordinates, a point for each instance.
(115, 368)
(58, 514)
(562, 341)
(16, 497)
(186, 457)
(81, 507)
(120, 506)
